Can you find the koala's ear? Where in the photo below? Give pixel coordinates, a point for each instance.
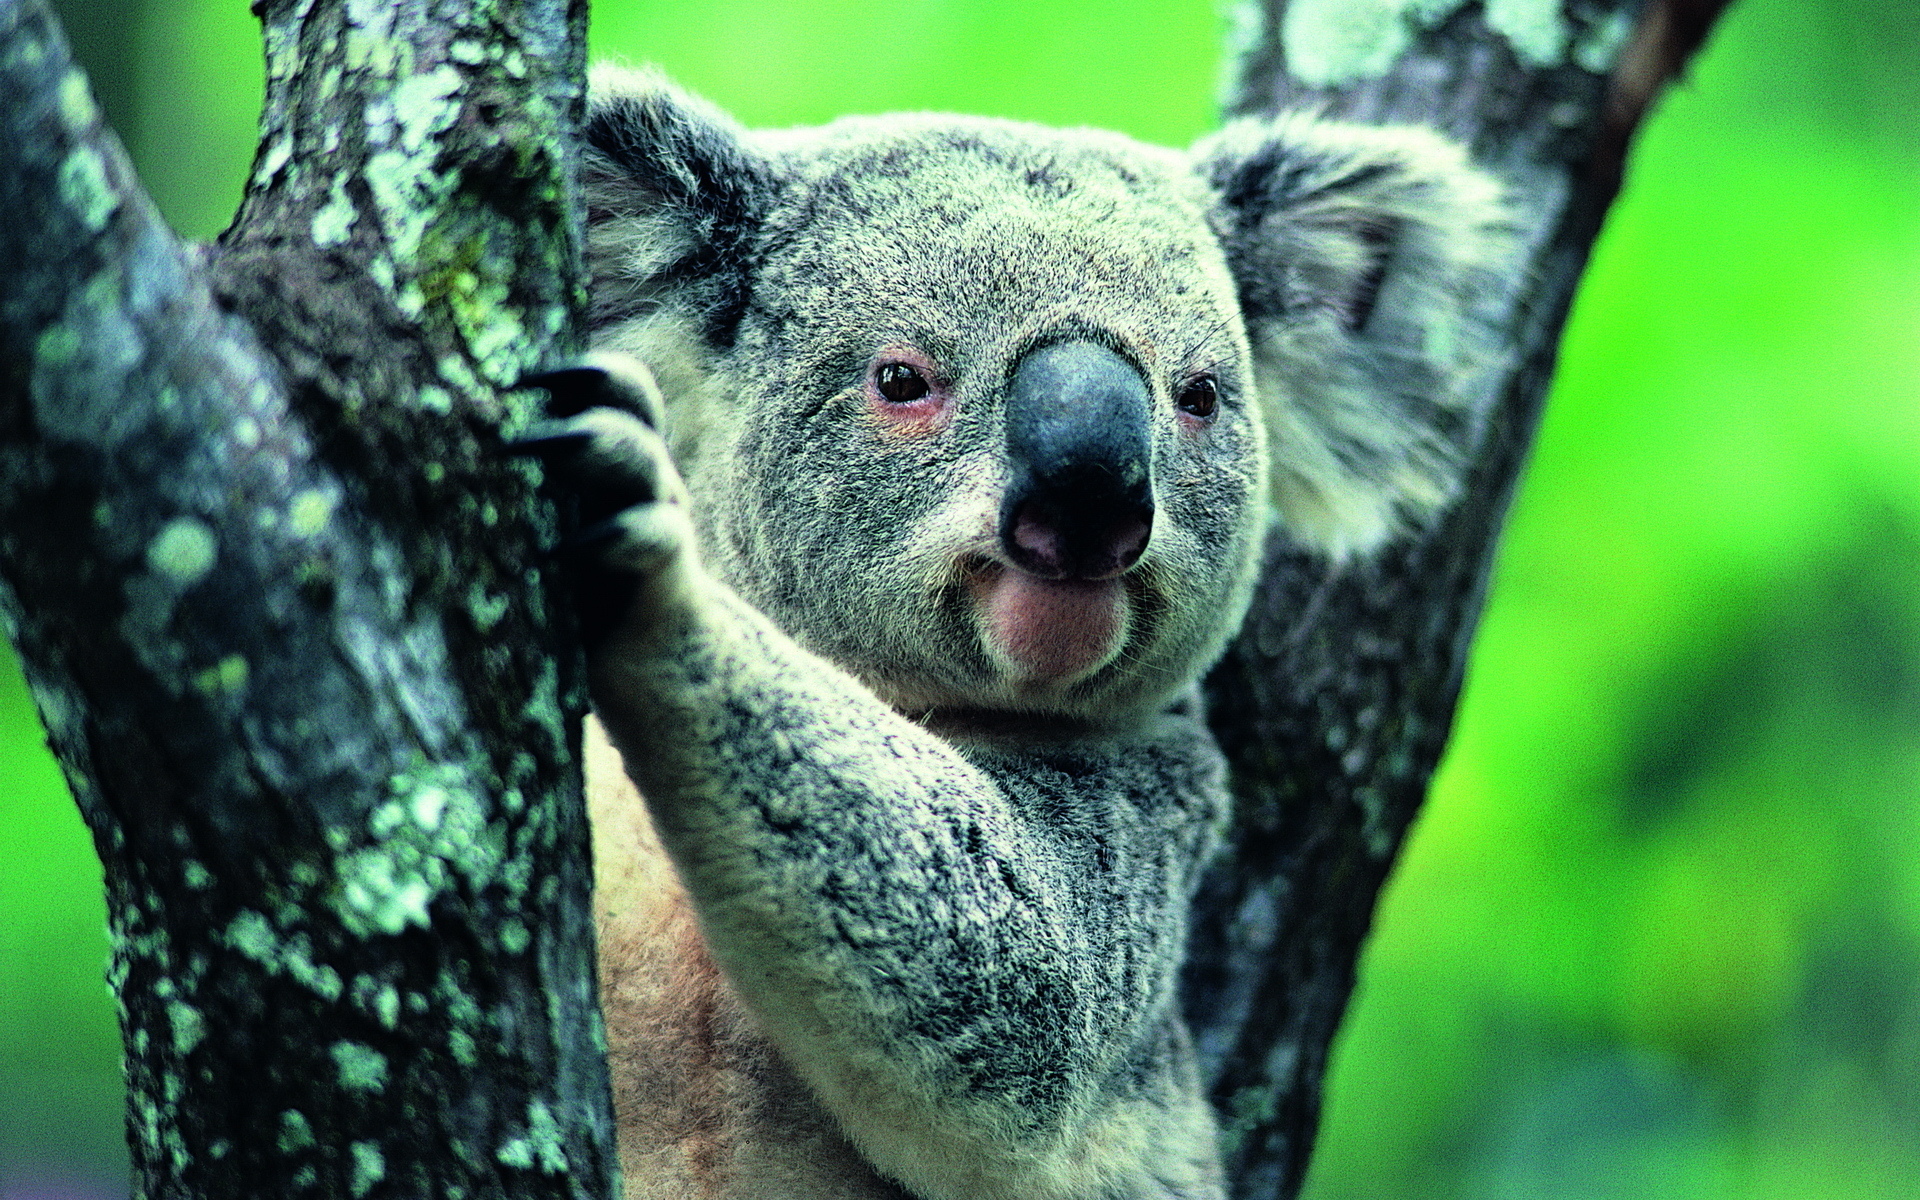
(1362, 256)
(673, 196)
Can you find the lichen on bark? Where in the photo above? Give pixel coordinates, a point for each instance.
(277, 592)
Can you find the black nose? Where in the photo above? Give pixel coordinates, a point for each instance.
(1080, 504)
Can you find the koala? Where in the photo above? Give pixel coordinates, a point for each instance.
(947, 474)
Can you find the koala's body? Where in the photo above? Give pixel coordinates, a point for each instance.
(980, 426)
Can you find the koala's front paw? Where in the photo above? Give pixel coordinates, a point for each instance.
(625, 530)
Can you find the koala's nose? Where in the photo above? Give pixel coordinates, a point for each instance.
(1080, 503)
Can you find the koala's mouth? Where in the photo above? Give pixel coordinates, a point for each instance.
(1047, 632)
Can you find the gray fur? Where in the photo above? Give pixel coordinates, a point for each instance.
(950, 886)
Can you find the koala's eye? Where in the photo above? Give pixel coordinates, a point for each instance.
(1200, 397)
(900, 383)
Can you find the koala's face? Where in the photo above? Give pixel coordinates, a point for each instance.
(968, 406)
(988, 433)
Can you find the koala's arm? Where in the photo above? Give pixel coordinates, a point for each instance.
(970, 962)
(973, 994)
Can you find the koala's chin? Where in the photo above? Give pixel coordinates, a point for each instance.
(1048, 634)
(996, 642)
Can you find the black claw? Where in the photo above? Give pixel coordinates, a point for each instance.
(582, 374)
(604, 381)
(550, 439)
(581, 545)
(594, 536)
(574, 389)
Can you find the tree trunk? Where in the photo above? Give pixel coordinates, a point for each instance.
(268, 575)
(1335, 702)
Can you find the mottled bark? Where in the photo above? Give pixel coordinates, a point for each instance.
(268, 575)
(1335, 703)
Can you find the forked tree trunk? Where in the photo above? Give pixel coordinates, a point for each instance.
(271, 581)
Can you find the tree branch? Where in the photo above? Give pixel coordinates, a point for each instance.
(1335, 703)
(267, 574)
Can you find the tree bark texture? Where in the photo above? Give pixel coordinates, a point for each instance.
(269, 577)
(1335, 703)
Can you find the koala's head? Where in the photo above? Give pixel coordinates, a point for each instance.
(994, 415)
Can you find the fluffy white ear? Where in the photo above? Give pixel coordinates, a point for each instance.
(673, 196)
(1362, 255)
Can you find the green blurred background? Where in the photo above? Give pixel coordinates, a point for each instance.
(1658, 933)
